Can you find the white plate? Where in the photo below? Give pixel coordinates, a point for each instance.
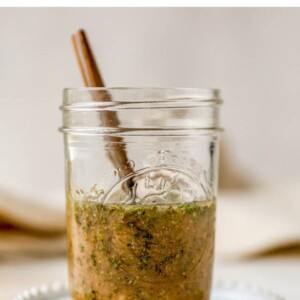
(221, 291)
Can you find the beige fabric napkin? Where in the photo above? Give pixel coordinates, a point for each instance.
(258, 221)
(31, 223)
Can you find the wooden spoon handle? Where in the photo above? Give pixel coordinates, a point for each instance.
(88, 66)
(92, 78)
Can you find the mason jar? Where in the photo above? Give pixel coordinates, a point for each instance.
(141, 185)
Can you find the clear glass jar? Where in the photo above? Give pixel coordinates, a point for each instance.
(141, 184)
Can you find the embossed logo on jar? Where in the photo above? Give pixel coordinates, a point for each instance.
(156, 185)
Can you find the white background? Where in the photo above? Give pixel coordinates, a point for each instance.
(251, 54)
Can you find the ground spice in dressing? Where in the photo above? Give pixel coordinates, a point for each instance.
(131, 252)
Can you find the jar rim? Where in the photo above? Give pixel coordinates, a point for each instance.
(156, 111)
(139, 97)
(213, 91)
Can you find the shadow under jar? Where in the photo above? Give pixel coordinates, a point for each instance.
(141, 184)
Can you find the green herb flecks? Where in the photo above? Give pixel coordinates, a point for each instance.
(141, 252)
